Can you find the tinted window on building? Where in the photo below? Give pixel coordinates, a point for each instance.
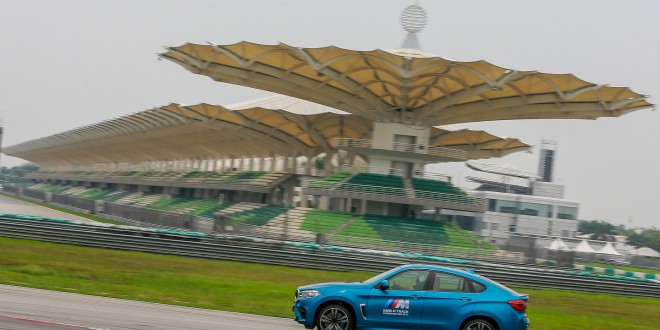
(535, 209)
(524, 208)
(569, 213)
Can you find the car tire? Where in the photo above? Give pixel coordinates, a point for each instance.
(335, 317)
(478, 324)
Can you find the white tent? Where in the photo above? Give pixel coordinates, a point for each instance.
(584, 247)
(558, 244)
(645, 252)
(609, 250)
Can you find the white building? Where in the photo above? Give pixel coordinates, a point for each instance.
(520, 203)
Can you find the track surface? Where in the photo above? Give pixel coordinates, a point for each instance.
(11, 205)
(34, 309)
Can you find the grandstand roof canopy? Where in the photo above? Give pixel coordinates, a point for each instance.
(277, 125)
(406, 85)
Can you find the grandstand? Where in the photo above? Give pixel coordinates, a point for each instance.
(342, 153)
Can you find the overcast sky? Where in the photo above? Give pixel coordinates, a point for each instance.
(66, 64)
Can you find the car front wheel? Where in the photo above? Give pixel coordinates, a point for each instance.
(334, 317)
(478, 324)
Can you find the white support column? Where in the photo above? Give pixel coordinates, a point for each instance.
(308, 167)
(289, 164)
(327, 164)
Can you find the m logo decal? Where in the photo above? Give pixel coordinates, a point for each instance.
(398, 304)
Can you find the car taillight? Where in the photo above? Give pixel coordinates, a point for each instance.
(519, 305)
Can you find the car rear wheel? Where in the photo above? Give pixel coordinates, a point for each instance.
(334, 317)
(478, 324)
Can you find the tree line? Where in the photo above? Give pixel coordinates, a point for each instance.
(602, 230)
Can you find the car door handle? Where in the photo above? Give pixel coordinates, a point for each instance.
(465, 299)
(415, 296)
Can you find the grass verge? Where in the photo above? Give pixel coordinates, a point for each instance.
(260, 289)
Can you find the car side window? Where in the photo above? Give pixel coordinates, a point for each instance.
(444, 282)
(411, 280)
(478, 287)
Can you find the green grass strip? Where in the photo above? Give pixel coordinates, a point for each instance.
(261, 289)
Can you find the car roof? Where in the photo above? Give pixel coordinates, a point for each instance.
(438, 268)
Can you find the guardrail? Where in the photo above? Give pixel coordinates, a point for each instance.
(394, 171)
(307, 255)
(396, 192)
(402, 147)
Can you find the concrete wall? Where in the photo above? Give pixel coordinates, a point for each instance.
(384, 137)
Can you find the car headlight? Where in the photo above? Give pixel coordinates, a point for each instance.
(308, 294)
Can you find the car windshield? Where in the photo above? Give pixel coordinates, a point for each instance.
(381, 275)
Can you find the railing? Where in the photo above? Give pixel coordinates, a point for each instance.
(139, 177)
(400, 192)
(431, 176)
(403, 147)
(394, 171)
(400, 246)
(351, 143)
(372, 169)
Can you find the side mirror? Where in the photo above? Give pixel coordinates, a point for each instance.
(384, 285)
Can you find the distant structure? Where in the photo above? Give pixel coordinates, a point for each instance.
(1, 132)
(386, 118)
(520, 203)
(547, 160)
(413, 19)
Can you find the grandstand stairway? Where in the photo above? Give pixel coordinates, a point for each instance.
(240, 207)
(293, 219)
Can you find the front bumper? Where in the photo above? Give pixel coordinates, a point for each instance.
(303, 310)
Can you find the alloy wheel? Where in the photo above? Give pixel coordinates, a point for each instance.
(334, 319)
(479, 325)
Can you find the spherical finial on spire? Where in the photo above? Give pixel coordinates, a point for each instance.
(413, 19)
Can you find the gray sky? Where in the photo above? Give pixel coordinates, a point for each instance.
(67, 64)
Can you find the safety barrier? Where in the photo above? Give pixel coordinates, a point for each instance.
(615, 272)
(307, 255)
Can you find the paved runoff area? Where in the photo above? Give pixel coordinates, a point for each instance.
(11, 205)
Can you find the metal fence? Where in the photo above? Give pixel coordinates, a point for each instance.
(158, 218)
(347, 230)
(11, 189)
(73, 201)
(350, 230)
(34, 194)
(287, 254)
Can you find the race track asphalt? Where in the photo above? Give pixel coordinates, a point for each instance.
(11, 205)
(35, 309)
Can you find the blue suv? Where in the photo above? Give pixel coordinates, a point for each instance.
(412, 297)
